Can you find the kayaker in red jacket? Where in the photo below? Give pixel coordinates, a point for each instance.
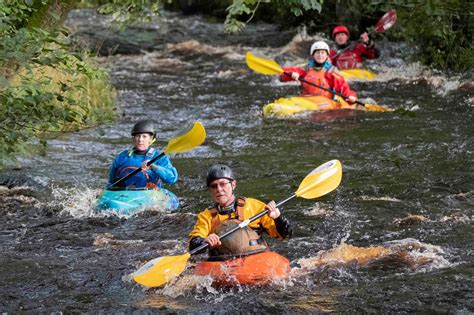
(321, 72)
(348, 55)
(229, 210)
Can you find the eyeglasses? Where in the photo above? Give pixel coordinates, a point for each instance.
(220, 184)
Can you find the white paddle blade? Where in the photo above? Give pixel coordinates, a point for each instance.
(322, 180)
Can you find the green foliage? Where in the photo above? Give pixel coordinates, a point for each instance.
(443, 31)
(44, 88)
(126, 12)
(248, 8)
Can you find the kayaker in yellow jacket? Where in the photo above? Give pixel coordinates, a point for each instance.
(229, 210)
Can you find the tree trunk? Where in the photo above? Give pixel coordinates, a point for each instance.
(52, 14)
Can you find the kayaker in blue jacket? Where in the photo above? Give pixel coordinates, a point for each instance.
(162, 171)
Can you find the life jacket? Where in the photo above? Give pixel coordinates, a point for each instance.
(348, 60)
(244, 241)
(133, 162)
(316, 77)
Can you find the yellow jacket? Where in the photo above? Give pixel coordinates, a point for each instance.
(251, 207)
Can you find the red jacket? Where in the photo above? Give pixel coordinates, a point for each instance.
(353, 57)
(333, 80)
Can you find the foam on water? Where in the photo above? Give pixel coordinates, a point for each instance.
(78, 201)
(406, 253)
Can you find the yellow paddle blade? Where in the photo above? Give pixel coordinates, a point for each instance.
(188, 141)
(357, 74)
(377, 108)
(262, 65)
(322, 180)
(160, 270)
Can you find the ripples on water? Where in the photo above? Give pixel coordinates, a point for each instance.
(396, 236)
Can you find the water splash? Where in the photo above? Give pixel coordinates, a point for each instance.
(78, 201)
(405, 254)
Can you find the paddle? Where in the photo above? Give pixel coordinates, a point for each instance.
(185, 142)
(319, 182)
(270, 67)
(384, 23)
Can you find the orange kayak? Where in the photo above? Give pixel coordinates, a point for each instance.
(257, 269)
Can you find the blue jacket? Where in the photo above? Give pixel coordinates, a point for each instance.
(129, 160)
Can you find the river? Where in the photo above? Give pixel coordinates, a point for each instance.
(407, 187)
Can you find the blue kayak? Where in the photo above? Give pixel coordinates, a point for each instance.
(128, 202)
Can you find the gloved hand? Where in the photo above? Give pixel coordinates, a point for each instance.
(295, 76)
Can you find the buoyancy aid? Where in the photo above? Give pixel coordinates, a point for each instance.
(133, 162)
(348, 60)
(244, 241)
(316, 76)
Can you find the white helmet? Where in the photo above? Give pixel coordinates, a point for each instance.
(319, 45)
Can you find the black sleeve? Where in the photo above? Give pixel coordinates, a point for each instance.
(283, 227)
(371, 45)
(195, 242)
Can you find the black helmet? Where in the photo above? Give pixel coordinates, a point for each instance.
(217, 171)
(144, 126)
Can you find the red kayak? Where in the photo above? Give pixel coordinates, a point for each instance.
(257, 269)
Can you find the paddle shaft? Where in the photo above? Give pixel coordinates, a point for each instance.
(323, 88)
(153, 160)
(241, 225)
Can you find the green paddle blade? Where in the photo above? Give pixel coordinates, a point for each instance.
(189, 140)
(160, 270)
(262, 65)
(322, 180)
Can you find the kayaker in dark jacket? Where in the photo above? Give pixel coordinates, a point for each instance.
(229, 210)
(162, 171)
(349, 55)
(320, 72)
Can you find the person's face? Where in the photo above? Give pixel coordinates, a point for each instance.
(141, 141)
(222, 191)
(320, 56)
(341, 38)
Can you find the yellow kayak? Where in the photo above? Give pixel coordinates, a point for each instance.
(289, 106)
(361, 74)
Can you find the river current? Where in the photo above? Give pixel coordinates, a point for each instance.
(396, 236)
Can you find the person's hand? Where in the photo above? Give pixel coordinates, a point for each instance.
(364, 37)
(144, 165)
(273, 211)
(213, 240)
(295, 76)
(352, 99)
